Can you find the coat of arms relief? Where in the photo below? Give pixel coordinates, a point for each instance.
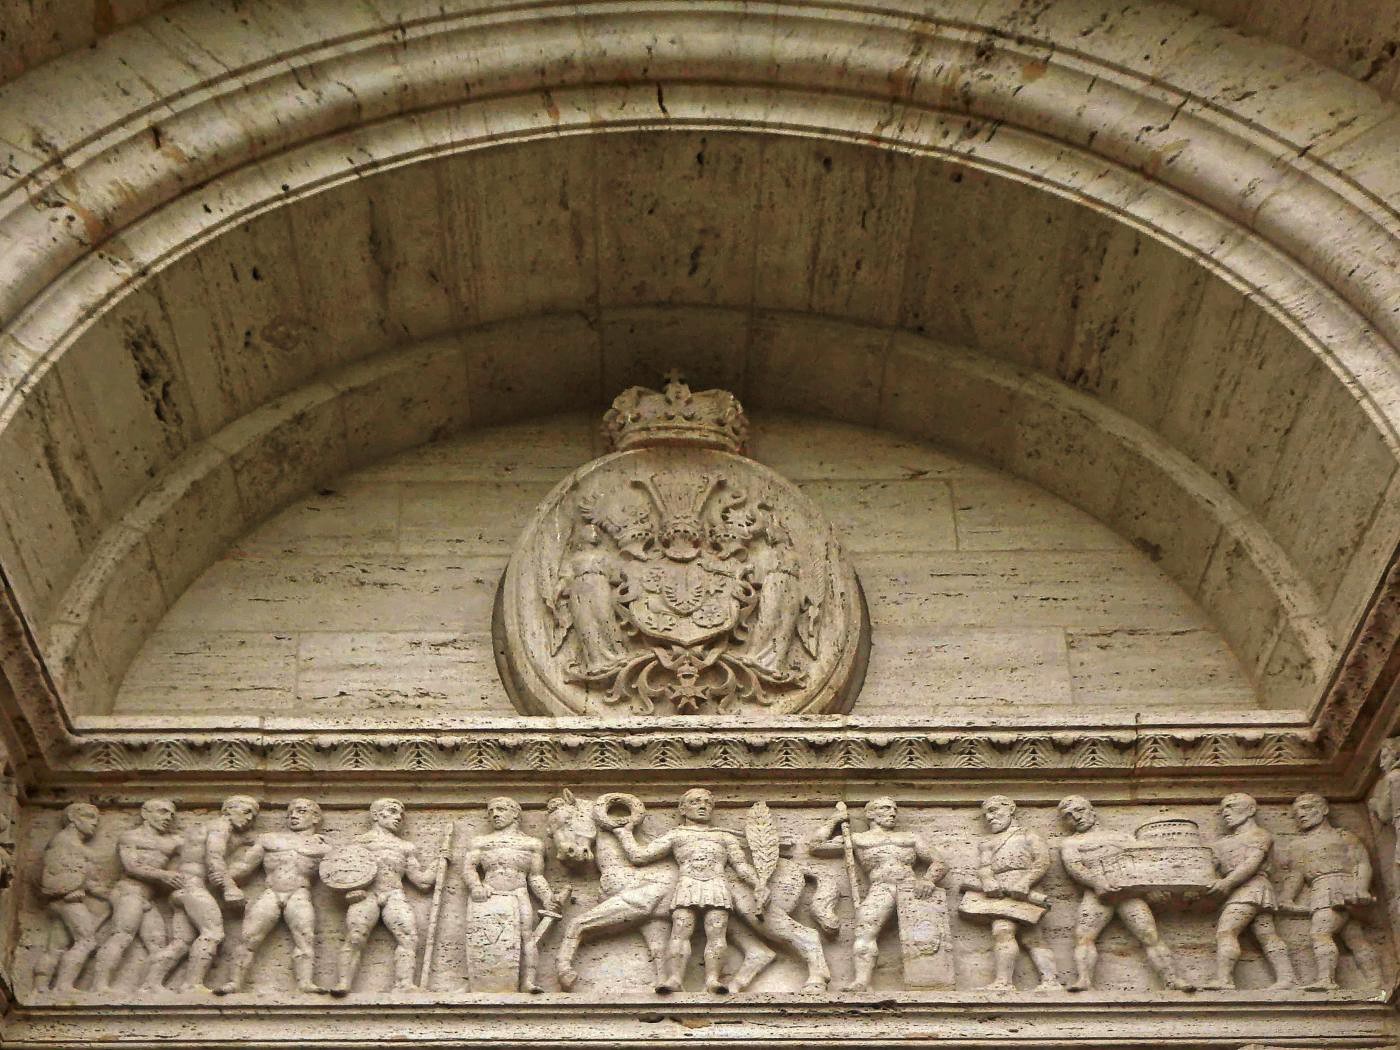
(677, 576)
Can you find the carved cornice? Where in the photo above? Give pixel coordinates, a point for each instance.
(1132, 1021)
(856, 750)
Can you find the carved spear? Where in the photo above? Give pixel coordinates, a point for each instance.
(439, 884)
(850, 852)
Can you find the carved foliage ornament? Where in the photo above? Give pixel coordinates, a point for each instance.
(677, 576)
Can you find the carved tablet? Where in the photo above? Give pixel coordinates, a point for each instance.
(676, 576)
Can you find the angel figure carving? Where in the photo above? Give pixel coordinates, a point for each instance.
(584, 602)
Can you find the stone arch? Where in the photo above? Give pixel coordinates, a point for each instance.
(1059, 122)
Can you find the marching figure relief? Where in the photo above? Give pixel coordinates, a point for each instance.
(1247, 895)
(1335, 869)
(178, 880)
(1010, 861)
(1088, 854)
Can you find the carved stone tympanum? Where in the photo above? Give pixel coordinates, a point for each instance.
(677, 576)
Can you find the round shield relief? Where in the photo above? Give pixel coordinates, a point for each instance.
(666, 580)
(349, 866)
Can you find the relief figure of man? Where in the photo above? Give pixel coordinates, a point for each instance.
(887, 856)
(289, 859)
(703, 853)
(1085, 853)
(507, 862)
(142, 853)
(1333, 865)
(1010, 861)
(69, 884)
(197, 920)
(1242, 858)
(384, 900)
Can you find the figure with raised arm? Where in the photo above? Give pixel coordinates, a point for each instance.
(703, 853)
(887, 856)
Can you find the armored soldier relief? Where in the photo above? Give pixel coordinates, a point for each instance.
(1329, 880)
(676, 576)
(584, 834)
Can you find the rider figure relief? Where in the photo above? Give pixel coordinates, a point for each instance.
(703, 853)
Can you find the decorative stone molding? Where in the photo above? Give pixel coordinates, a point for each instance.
(705, 747)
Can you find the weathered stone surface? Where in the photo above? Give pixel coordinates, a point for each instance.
(677, 576)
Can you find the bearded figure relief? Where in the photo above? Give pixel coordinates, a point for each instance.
(677, 576)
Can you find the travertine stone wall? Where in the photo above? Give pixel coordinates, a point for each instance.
(374, 594)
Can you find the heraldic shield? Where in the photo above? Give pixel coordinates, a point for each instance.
(676, 575)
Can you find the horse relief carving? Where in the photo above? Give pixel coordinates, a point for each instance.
(663, 900)
(676, 576)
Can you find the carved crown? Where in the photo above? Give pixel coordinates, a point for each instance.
(676, 415)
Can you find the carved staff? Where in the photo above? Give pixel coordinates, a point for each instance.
(439, 884)
(849, 849)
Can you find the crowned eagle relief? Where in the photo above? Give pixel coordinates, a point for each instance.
(676, 576)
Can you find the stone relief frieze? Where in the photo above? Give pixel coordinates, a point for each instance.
(677, 576)
(779, 898)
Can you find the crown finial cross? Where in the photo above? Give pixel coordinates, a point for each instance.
(674, 375)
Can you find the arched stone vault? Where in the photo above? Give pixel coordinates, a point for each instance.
(1166, 292)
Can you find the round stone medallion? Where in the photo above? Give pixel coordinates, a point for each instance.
(678, 577)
